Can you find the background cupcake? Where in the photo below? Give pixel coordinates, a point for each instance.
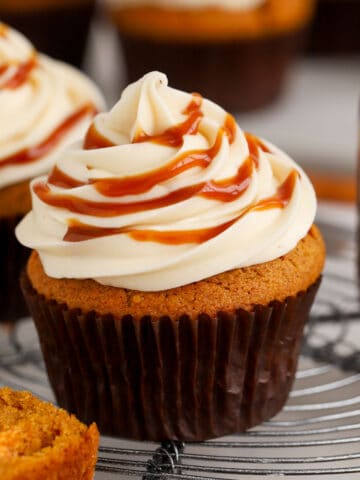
(235, 51)
(44, 105)
(336, 27)
(176, 266)
(56, 27)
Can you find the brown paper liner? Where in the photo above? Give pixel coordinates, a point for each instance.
(230, 73)
(13, 257)
(162, 378)
(60, 32)
(335, 29)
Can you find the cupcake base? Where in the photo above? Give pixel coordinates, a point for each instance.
(59, 32)
(336, 28)
(13, 258)
(171, 378)
(240, 75)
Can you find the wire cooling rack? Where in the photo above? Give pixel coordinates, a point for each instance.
(317, 434)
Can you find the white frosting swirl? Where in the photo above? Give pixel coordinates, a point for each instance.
(49, 94)
(150, 107)
(191, 4)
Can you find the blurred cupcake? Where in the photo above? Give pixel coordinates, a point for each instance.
(44, 105)
(56, 27)
(235, 51)
(174, 268)
(41, 442)
(336, 28)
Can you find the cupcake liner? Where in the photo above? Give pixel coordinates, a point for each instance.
(230, 72)
(335, 29)
(60, 32)
(13, 257)
(162, 378)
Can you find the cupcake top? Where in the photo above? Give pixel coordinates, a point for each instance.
(44, 105)
(192, 4)
(166, 190)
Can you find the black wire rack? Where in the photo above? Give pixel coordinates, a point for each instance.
(317, 434)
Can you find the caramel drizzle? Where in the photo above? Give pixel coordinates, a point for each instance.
(63, 180)
(21, 74)
(137, 184)
(110, 209)
(141, 183)
(283, 195)
(232, 188)
(94, 140)
(226, 190)
(254, 144)
(3, 30)
(3, 68)
(29, 155)
(174, 136)
(119, 187)
(78, 231)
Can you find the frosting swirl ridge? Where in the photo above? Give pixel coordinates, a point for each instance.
(166, 190)
(44, 105)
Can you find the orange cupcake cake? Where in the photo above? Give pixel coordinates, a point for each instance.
(235, 52)
(39, 441)
(175, 263)
(279, 279)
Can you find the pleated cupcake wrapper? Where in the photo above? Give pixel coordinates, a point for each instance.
(13, 257)
(162, 378)
(331, 18)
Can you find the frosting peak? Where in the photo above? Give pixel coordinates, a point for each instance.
(165, 190)
(146, 110)
(44, 105)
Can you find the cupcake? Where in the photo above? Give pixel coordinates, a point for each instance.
(44, 105)
(175, 262)
(56, 27)
(39, 441)
(336, 28)
(235, 51)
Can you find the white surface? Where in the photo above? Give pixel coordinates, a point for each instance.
(315, 120)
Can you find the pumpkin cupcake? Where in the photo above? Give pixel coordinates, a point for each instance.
(39, 441)
(58, 28)
(234, 51)
(44, 105)
(175, 262)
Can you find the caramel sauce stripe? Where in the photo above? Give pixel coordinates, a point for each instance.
(20, 75)
(31, 154)
(226, 190)
(78, 231)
